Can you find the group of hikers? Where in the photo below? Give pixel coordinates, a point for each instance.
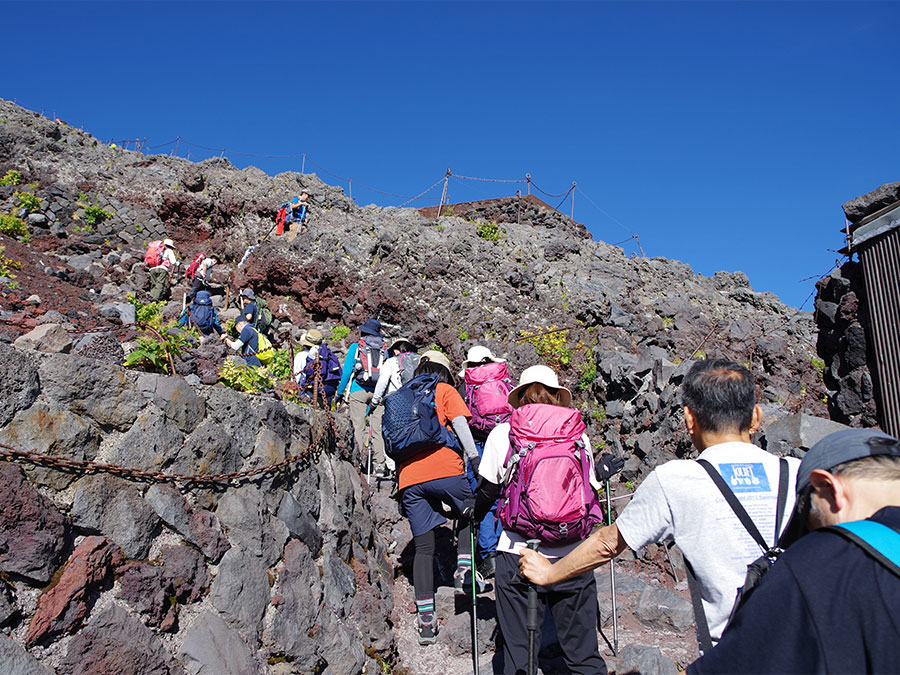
(794, 565)
(512, 465)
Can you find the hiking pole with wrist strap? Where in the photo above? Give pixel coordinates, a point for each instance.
(608, 466)
(531, 620)
(474, 595)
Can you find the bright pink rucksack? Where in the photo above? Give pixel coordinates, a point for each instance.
(547, 493)
(487, 388)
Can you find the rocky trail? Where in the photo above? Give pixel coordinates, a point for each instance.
(305, 568)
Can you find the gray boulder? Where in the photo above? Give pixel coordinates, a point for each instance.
(14, 660)
(114, 507)
(664, 610)
(123, 311)
(150, 444)
(644, 660)
(198, 526)
(241, 592)
(244, 514)
(52, 431)
(300, 523)
(210, 647)
(795, 434)
(48, 337)
(103, 392)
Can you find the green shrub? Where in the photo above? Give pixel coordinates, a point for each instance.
(153, 351)
(280, 368)
(11, 177)
(339, 333)
(7, 265)
(242, 377)
(12, 226)
(94, 215)
(489, 231)
(28, 201)
(149, 314)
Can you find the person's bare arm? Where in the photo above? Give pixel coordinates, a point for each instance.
(603, 545)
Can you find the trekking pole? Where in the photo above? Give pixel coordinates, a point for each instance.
(369, 444)
(531, 620)
(612, 576)
(474, 596)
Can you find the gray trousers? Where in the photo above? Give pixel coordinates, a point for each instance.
(359, 402)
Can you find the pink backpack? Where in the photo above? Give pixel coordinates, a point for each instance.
(487, 388)
(153, 257)
(547, 493)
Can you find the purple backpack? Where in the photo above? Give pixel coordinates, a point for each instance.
(547, 493)
(487, 388)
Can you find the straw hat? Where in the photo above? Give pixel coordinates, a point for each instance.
(436, 357)
(544, 376)
(311, 338)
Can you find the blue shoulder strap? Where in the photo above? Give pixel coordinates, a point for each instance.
(881, 541)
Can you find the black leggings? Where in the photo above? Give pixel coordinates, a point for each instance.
(423, 563)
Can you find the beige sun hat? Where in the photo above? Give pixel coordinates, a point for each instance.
(437, 357)
(311, 338)
(544, 376)
(168, 243)
(478, 354)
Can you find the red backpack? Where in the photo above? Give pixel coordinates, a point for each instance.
(153, 256)
(191, 271)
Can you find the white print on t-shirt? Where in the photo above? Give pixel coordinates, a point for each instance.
(745, 477)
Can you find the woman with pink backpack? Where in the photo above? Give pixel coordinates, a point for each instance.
(540, 465)
(485, 386)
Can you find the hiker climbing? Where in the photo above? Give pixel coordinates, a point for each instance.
(254, 347)
(294, 215)
(680, 500)
(198, 273)
(201, 315)
(359, 376)
(425, 423)
(485, 387)
(541, 463)
(829, 603)
(397, 370)
(316, 357)
(160, 258)
(255, 310)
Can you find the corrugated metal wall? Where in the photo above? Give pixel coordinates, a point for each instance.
(881, 270)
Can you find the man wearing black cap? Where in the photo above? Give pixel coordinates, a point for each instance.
(830, 602)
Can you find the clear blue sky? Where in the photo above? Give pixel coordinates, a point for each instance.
(727, 135)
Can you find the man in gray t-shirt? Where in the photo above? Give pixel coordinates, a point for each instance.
(679, 501)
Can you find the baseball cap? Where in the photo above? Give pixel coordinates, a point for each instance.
(845, 446)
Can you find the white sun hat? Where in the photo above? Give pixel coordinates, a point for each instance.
(544, 376)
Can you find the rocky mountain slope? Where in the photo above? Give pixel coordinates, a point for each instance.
(532, 286)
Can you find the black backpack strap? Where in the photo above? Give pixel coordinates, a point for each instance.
(703, 636)
(783, 480)
(735, 505)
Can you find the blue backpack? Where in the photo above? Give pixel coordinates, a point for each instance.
(202, 314)
(410, 424)
(329, 367)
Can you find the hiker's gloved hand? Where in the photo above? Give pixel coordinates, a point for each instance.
(375, 402)
(608, 466)
(475, 462)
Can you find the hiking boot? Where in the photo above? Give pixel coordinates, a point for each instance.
(427, 630)
(462, 581)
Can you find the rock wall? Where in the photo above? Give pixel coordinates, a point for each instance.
(279, 573)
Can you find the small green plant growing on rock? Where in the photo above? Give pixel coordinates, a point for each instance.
(463, 335)
(551, 345)
(11, 177)
(28, 201)
(94, 215)
(149, 314)
(280, 367)
(338, 333)
(489, 231)
(12, 226)
(818, 364)
(245, 378)
(8, 264)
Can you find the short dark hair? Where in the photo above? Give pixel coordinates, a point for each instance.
(432, 368)
(720, 393)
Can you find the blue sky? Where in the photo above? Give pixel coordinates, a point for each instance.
(726, 134)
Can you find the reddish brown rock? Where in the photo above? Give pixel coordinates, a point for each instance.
(33, 533)
(64, 607)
